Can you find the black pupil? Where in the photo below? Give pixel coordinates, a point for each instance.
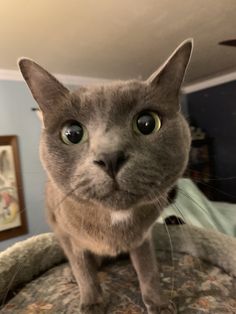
(74, 133)
(146, 123)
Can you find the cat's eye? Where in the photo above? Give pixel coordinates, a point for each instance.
(146, 122)
(73, 132)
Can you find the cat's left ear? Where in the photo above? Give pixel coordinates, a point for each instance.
(45, 88)
(171, 73)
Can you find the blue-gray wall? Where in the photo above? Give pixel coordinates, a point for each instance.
(16, 118)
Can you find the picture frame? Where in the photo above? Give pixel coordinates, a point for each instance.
(12, 206)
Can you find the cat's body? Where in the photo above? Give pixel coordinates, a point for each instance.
(94, 228)
(112, 154)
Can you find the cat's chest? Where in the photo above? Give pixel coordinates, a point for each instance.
(102, 231)
(111, 241)
(109, 234)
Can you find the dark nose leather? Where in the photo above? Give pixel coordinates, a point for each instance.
(111, 163)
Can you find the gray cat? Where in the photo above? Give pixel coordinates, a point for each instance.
(112, 154)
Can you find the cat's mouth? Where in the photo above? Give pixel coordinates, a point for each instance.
(113, 195)
(118, 197)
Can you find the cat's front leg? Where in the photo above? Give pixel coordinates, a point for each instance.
(144, 261)
(84, 269)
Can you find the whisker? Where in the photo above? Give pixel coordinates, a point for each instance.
(8, 288)
(176, 208)
(170, 241)
(222, 179)
(172, 259)
(20, 266)
(209, 177)
(189, 197)
(216, 189)
(66, 196)
(184, 231)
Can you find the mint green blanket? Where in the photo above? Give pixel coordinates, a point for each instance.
(195, 209)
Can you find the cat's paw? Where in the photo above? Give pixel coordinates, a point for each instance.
(97, 308)
(166, 308)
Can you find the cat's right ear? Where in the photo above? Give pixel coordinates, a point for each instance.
(45, 88)
(171, 74)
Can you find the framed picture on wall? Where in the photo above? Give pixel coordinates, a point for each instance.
(12, 206)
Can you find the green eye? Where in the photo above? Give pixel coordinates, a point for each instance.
(146, 122)
(73, 133)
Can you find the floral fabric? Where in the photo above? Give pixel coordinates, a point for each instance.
(195, 286)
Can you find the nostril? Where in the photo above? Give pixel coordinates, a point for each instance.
(111, 162)
(121, 159)
(100, 163)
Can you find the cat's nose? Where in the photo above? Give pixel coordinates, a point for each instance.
(111, 162)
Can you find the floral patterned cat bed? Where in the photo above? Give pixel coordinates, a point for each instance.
(199, 274)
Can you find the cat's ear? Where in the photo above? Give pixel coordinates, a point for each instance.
(45, 88)
(171, 73)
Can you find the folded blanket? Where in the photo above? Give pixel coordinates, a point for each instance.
(198, 270)
(196, 210)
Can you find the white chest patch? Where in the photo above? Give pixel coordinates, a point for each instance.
(121, 216)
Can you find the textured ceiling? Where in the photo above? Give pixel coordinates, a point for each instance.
(117, 39)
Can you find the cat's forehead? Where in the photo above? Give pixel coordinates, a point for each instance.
(111, 95)
(110, 103)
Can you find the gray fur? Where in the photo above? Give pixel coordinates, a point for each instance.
(81, 196)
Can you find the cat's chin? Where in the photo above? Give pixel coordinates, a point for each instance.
(119, 199)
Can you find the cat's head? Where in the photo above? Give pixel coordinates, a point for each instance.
(116, 144)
